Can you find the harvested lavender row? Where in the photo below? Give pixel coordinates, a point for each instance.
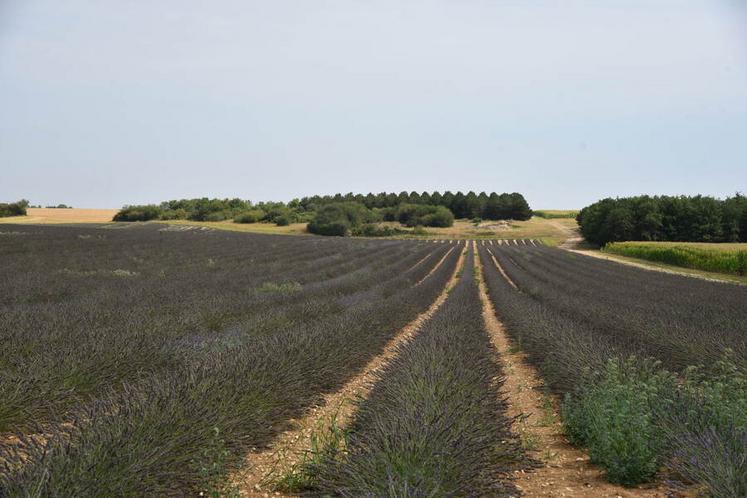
(680, 321)
(434, 423)
(103, 327)
(181, 429)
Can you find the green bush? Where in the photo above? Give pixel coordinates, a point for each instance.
(374, 230)
(138, 213)
(340, 218)
(174, 214)
(708, 428)
(424, 215)
(252, 216)
(14, 208)
(283, 220)
(215, 216)
(616, 413)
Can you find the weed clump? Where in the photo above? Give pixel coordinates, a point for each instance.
(281, 288)
(616, 416)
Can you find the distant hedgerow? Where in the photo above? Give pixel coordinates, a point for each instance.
(14, 208)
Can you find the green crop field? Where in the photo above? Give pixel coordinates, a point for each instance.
(722, 258)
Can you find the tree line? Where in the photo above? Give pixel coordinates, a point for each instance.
(665, 218)
(441, 210)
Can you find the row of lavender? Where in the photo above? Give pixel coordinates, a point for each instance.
(141, 361)
(652, 366)
(435, 423)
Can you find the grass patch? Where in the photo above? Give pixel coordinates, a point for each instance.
(551, 214)
(280, 288)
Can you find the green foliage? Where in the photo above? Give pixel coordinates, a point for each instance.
(375, 230)
(138, 213)
(635, 416)
(327, 442)
(385, 205)
(555, 214)
(665, 218)
(283, 220)
(14, 208)
(697, 257)
(251, 216)
(340, 218)
(424, 215)
(615, 415)
(282, 288)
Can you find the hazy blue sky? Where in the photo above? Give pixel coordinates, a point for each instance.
(104, 103)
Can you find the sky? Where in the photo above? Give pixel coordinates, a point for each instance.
(105, 103)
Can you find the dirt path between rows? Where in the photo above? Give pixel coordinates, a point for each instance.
(263, 467)
(565, 471)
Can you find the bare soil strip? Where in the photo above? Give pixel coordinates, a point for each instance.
(287, 451)
(500, 269)
(566, 470)
(440, 262)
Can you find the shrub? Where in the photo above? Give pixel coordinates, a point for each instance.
(14, 209)
(138, 213)
(252, 216)
(215, 216)
(615, 414)
(420, 214)
(374, 230)
(708, 429)
(174, 214)
(283, 220)
(339, 218)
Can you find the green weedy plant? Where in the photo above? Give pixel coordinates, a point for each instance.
(212, 466)
(615, 414)
(708, 428)
(282, 288)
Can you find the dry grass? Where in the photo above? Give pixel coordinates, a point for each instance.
(551, 232)
(52, 216)
(292, 229)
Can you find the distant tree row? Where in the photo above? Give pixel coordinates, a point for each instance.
(13, 208)
(470, 205)
(665, 218)
(204, 209)
(491, 206)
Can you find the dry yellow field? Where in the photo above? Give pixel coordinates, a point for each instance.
(551, 232)
(50, 215)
